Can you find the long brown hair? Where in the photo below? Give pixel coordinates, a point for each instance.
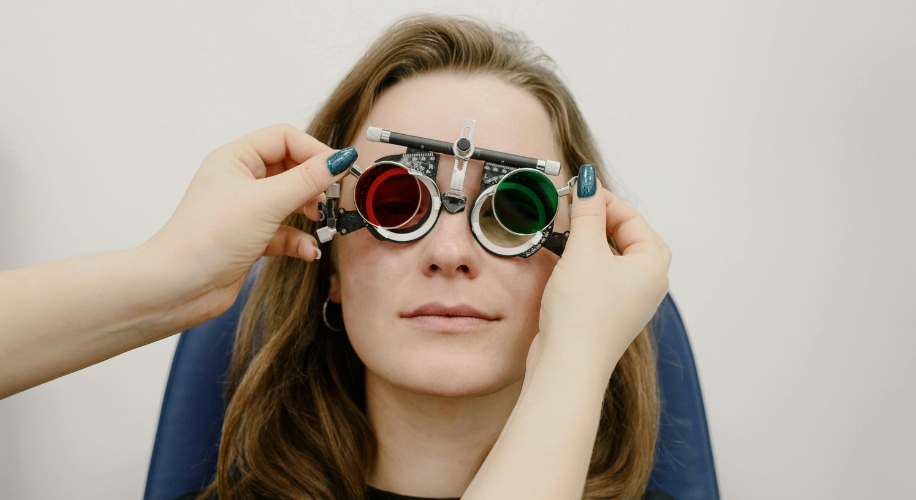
(296, 425)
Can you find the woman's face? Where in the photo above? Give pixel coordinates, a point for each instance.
(397, 297)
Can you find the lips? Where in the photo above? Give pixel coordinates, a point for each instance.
(440, 310)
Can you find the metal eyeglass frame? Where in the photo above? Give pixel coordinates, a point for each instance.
(422, 161)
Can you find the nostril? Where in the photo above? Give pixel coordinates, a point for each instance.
(464, 269)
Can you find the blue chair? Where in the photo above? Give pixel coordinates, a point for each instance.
(187, 439)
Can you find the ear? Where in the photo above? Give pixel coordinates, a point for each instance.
(334, 293)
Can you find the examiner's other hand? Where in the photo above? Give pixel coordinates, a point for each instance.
(232, 211)
(596, 302)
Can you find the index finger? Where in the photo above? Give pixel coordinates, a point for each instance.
(274, 149)
(628, 227)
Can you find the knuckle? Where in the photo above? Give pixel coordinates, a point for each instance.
(288, 128)
(215, 155)
(276, 128)
(588, 210)
(589, 215)
(292, 242)
(247, 155)
(610, 197)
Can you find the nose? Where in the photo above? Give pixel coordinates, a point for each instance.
(449, 249)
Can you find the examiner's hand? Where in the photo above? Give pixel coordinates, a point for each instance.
(596, 302)
(232, 211)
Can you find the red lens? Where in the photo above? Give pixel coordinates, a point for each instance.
(388, 195)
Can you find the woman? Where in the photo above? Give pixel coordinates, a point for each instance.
(454, 371)
(412, 404)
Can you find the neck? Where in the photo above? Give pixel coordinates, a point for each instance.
(431, 446)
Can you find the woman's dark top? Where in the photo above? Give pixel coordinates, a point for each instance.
(377, 494)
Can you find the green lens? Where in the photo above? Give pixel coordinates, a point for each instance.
(525, 201)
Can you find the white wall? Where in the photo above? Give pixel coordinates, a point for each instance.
(770, 143)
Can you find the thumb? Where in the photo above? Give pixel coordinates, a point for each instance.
(588, 214)
(285, 192)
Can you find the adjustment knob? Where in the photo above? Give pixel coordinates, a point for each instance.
(463, 145)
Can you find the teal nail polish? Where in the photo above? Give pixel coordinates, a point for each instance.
(341, 160)
(586, 185)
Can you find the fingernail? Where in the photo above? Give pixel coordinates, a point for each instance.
(341, 160)
(586, 185)
(317, 253)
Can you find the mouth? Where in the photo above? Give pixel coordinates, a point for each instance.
(439, 317)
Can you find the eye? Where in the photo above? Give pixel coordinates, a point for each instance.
(525, 201)
(494, 231)
(388, 195)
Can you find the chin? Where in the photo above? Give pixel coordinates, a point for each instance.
(452, 376)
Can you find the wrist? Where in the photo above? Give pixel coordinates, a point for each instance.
(545, 448)
(176, 295)
(580, 353)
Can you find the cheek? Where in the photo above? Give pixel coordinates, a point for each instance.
(371, 276)
(525, 282)
(376, 282)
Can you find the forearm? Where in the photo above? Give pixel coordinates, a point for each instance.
(546, 445)
(58, 317)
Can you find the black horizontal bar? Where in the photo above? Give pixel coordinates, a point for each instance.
(487, 155)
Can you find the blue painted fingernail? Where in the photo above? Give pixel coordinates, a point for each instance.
(341, 160)
(586, 184)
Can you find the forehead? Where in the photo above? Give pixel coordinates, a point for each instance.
(508, 119)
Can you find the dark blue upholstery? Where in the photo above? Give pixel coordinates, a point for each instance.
(187, 440)
(683, 457)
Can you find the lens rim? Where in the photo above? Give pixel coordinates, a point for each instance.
(430, 219)
(527, 171)
(486, 243)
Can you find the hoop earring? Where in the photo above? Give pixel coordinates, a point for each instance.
(324, 316)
